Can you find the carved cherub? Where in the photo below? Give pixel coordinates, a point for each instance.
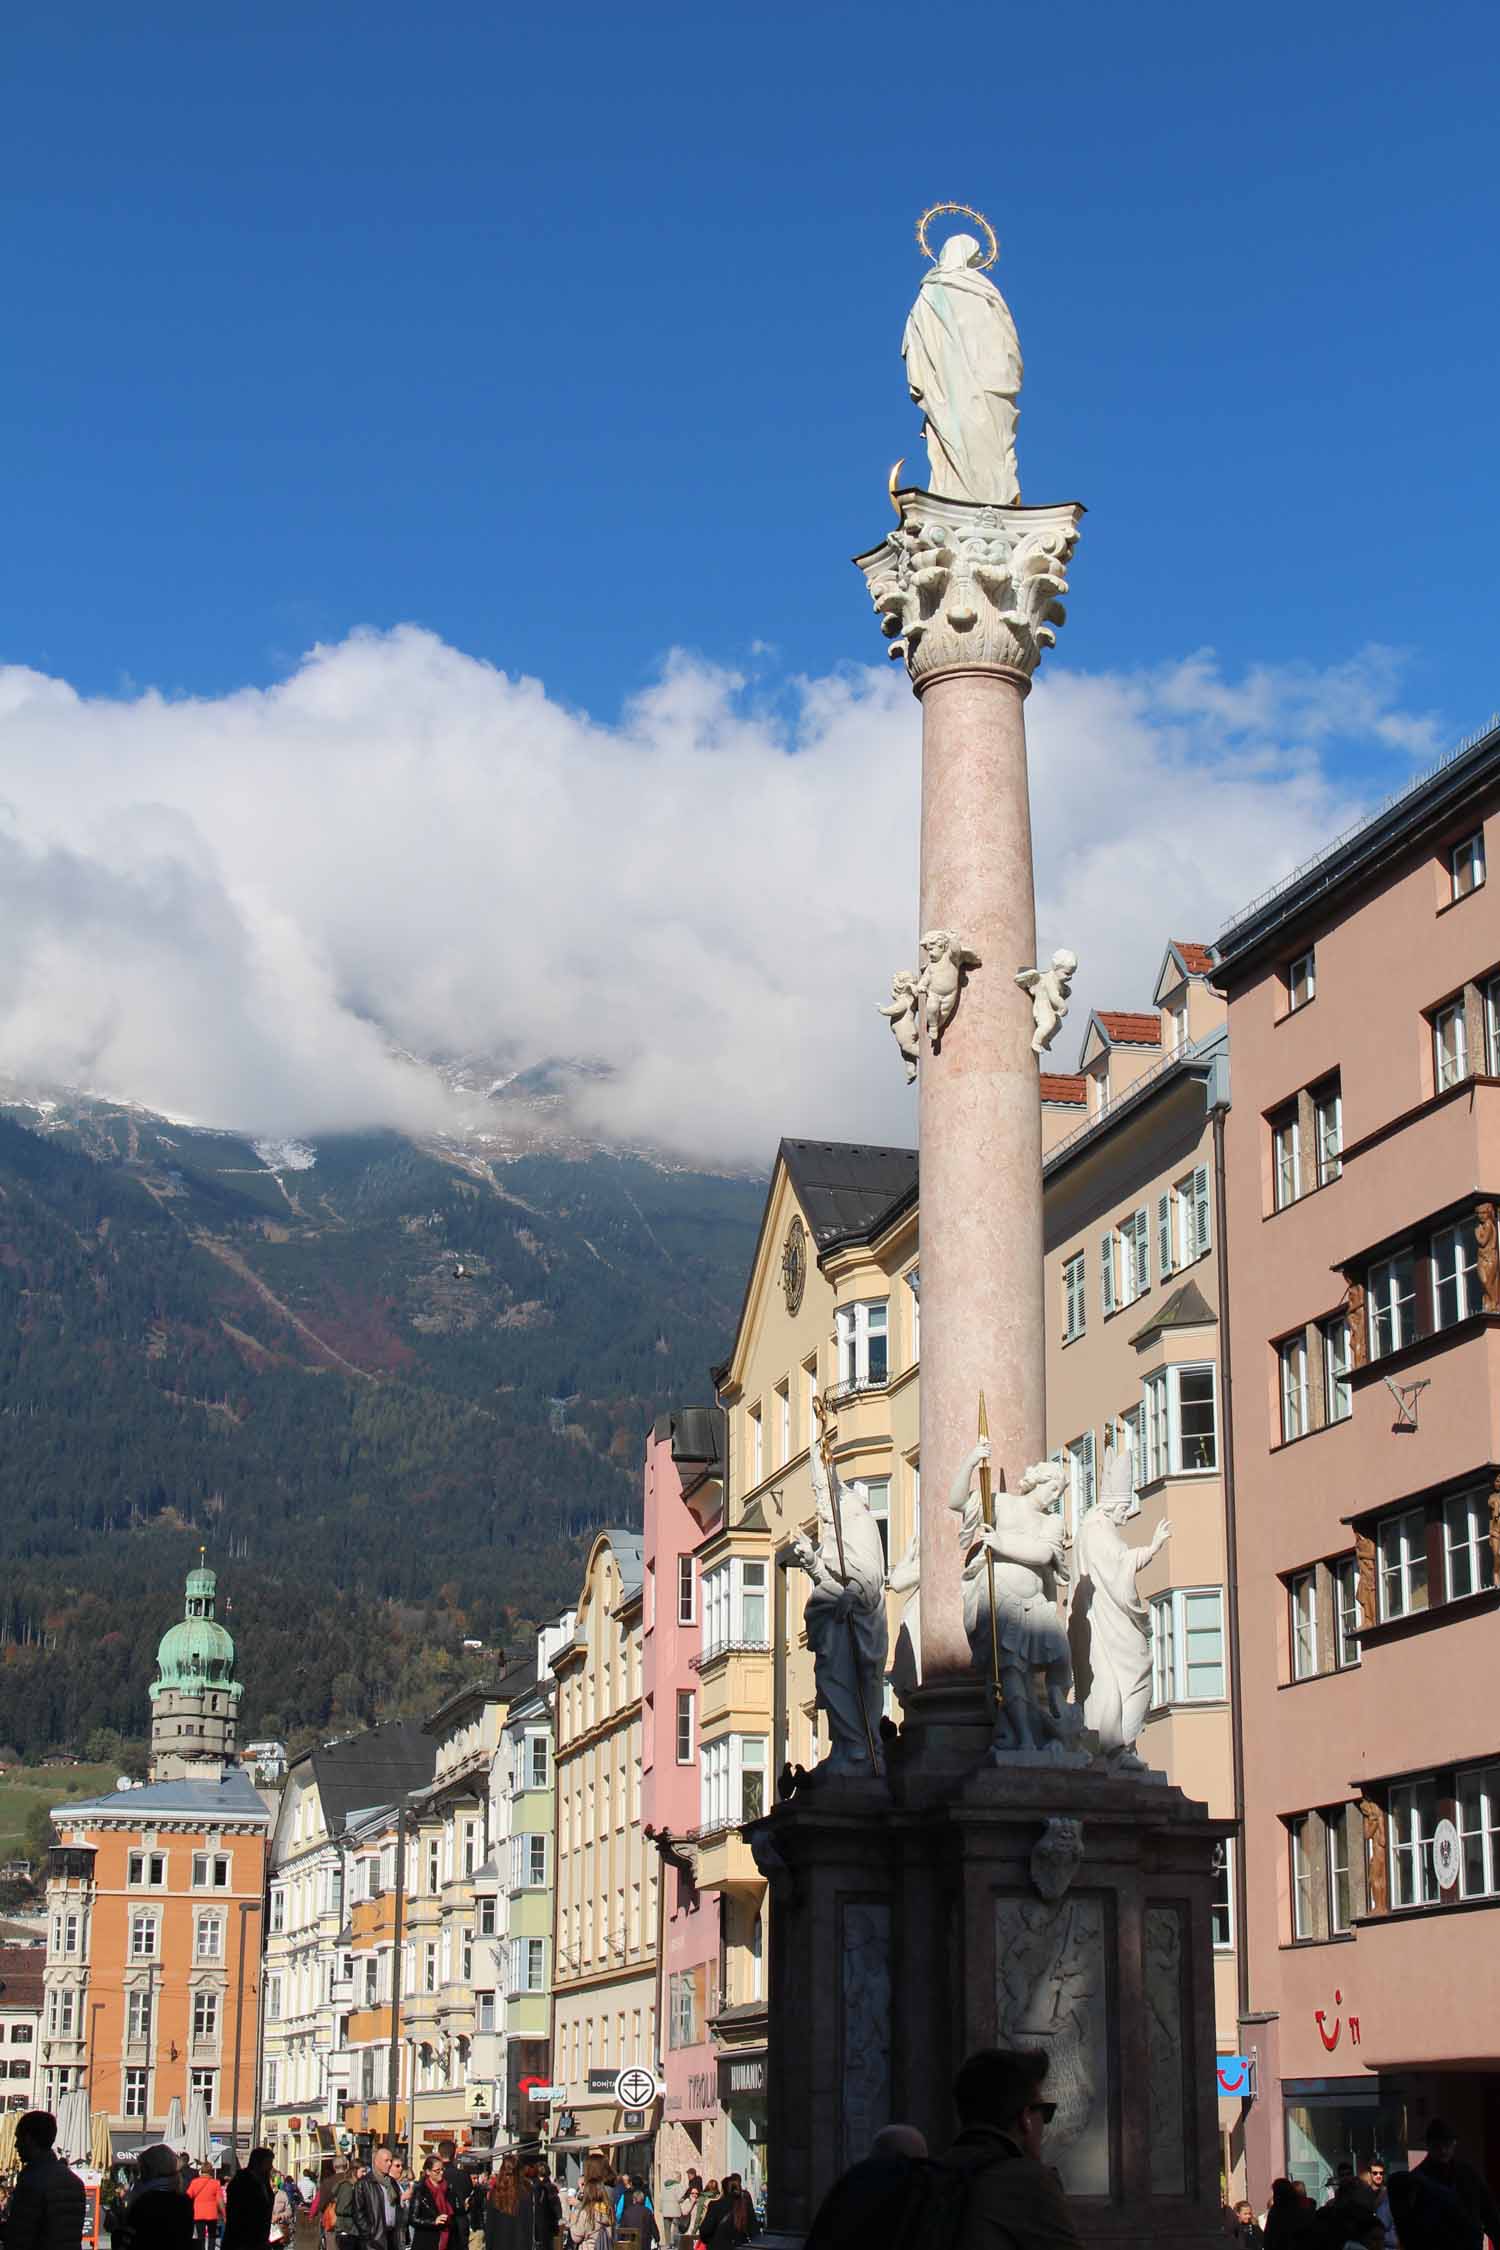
(941, 980)
(1049, 990)
(901, 1008)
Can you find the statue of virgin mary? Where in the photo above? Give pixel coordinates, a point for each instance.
(963, 368)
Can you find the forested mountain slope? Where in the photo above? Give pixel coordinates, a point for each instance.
(392, 1388)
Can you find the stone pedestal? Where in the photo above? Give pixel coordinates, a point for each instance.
(911, 1926)
(970, 596)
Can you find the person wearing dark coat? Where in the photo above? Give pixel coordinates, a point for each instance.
(248, 2203)
(637, 2217)
(48, 2202)
(857, 2209)
(158, 2214)
(1443, 2167)
(509, 2210)
(430, 2214)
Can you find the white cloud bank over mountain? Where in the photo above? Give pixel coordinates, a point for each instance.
(220, 907)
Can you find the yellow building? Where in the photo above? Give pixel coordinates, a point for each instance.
(831, 1309)
(605, 1900)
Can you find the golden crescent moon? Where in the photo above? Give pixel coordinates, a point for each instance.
(964, 210)
(891, 485)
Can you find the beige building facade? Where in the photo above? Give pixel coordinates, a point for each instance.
(605, 1892)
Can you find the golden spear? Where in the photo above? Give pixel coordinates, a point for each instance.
(987, 1514)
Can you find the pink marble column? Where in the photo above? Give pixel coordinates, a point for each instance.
(981, 1126)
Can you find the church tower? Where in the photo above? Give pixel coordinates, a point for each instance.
(195, 1695)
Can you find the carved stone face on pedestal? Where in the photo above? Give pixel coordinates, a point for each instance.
(1057, 1857)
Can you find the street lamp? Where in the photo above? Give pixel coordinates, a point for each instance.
(247, 1906)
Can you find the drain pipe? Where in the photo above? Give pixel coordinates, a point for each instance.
(1218, 1110)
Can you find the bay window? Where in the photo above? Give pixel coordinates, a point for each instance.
(1187, 1646)
(1401, 1545)
(733, 1781)
(1336, 1868)
(1180, 1423)
(1338, 1398)
(1450, 1043)
(1303, 1593)
(1328, 1129)
(1286, 1159)
(734, 1606)
(1392, 1300)
(1346, 1613)
(1296, 1418)
(863, 1339)
(877, 1496)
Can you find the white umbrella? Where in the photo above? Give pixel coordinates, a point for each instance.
(175, 2135)
(75, 2126)
(197, 2128)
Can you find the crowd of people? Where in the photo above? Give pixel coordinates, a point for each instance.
(992, 2190)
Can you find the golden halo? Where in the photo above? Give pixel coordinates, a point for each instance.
(936, 210)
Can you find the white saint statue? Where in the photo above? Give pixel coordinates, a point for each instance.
(845, 1619)
(1027, 1542)
(963, 368)
(1119, 1628)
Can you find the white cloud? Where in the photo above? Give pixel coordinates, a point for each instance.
(219, 906)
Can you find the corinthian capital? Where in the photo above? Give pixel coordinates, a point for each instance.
(959, 586)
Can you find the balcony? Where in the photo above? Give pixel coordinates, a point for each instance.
(743, 1644)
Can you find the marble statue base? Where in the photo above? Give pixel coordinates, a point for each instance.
(918, 1918)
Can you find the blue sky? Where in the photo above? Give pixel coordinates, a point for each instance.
(573, 333)
(474, 345)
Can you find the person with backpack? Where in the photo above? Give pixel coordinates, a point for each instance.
(248, 2203)
(994, 2173)
(47, 2204)
(158, 2216)
(857, 2209)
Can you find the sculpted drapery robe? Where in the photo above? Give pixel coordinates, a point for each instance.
(848, 1666)
(963, 368)
(1119, 1632)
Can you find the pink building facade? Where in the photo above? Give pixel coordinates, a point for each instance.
(1363, 1173)
(684, 1469)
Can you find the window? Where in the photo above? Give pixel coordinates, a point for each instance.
(208, 1941)
(1466, 865)
(1338, 1398)
(1304, 1924)
(1449, 1045)
(1296, 1418)
(471, 1848)
(1455, 1274)
(135, 2093)
(1303, 1593)
(1401, 1543)
(278, 1912)
(1180, 1423)
(734, 1606)
(429, 1966)
(1302, 979)
(1221, 1906)
(137, 2016)
(1079, 1456)
(1413, 1815)
(67, 1934)
(1328, 1130)
(1392, 1294)
(1194, 1229)
(1187, 1646)
(862, 1341)
(272, 2077)
(147, 1870)
(685, 2008)
(1346, 1618)
(1336, 1870)
(1286, 1159)
(756, 1468)
(686, 1729)
(484, 2012)
(210, 1871)
(1468, 1557)
(273, 1995)
(1178, 1017)
(205, 2015)
(733, 1786)
(534, 1862)
(143, 1937)
(538, 1771)
(1492, 1027)
(466, 1944)
(60, 2013)
(1075, 1306)
(1135, 1257)
(877, 1493)
(528, 1964)
(1479, 1831)
(204, 2083)
(372, 1984)
(487, 1911)
(783, 1403)
(1107, 1274)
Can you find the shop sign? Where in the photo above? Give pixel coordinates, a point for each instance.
(742, 2077)
(635, 2087)
(602, 2081)
(1234, 2077)
(632, 2121)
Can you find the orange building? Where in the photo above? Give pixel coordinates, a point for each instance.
(155, 1897)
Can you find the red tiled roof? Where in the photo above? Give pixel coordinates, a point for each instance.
(1196, 959)
(1063, 1087)
(1131, 1030)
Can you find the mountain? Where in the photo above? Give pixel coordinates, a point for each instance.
(392, 1386)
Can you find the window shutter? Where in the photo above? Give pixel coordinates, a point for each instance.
(1202, 1236)
(1088, 1468)
(1164, 1234)
(1142, 1252)
(1107, 1272)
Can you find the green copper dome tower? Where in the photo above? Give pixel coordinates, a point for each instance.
(195, 1695)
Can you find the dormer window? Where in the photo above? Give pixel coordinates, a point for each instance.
(1177, 1019)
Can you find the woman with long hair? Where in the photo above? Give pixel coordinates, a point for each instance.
(592, 2224)
(430, 2212)
(509, 2208)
